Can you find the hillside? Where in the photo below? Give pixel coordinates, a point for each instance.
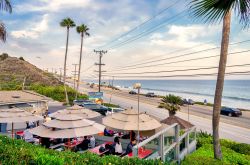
(14, 69)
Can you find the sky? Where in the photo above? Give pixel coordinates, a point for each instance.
(35, 34)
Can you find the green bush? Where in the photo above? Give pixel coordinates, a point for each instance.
(204, 155)
(111, 105)
(21, 153)
(204, 138)
(57, 92)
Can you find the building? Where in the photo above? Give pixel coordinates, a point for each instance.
(26, 100)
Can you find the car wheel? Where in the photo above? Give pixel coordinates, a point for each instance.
(230, 115)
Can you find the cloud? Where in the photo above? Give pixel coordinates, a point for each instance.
(35, 31)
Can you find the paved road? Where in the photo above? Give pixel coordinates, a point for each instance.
(200, 116)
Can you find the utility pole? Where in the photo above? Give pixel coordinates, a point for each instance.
(74, 75)
(100, 52)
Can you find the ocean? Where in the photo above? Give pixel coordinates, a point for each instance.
(236, 92)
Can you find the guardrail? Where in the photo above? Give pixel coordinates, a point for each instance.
(168, 145)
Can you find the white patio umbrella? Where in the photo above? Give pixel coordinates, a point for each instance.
(76, 110)
(128, 120)
(67, 127)
(16, 115)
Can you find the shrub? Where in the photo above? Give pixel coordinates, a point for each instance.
(111, 105)
(19, 152)
(204, 155)
(57, 92)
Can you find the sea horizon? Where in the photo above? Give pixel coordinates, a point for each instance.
(236, 93)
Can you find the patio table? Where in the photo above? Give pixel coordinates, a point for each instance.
(96, 149)
(143, 153)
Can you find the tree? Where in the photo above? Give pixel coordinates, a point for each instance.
(213, 11)
(171, 103)
(83, 31)
(68, 23)
(5, 5)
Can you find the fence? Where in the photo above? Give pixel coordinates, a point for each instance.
(168, 144)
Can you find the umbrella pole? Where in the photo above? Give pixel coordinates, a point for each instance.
(12, 130)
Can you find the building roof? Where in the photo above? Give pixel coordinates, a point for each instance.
(14, 97)
(174, 119)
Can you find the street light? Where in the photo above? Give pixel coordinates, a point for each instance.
(138, 87)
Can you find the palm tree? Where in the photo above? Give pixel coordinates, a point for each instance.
(213, 11)
(171, 103)
(5, 5)
(83, 31)
(68, 23)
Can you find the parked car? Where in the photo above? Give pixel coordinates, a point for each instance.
(150, 94)
(114, 110)
(96, 107)
(230, 112)
(132, 92)
(188, 101)
(80, 102)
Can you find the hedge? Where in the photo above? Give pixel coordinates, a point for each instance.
(57, 92)
(22, 153)
(204, 155)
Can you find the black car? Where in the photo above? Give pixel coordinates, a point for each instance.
(230, 111)
(96, 107)
(132, 92)
(150, 94)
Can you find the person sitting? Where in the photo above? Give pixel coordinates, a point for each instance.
(84, 145)
(130, 146)
(45, 142)
(92, 142)
(28, 137)
(117, 145)
(107, 132)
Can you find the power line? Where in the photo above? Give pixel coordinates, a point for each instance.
(191, 75)
(174, 62)
(193, 69)
(140, 35)
(182, 55)
(140, 25)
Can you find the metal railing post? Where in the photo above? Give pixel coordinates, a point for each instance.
(177, 147)
(161, 149)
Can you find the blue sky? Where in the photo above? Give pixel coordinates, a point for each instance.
(35, 34)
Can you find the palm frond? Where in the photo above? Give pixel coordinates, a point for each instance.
(213, 11)
(6, 5)
(83, 30)
(67, 22)
(3, 32)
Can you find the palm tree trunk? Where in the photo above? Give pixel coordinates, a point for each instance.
(80, 63)
(65, 63)
(220, 84)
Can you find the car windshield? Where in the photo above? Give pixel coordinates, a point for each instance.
(234, 109)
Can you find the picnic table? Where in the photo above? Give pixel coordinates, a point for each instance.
(143, 153)
(72, 144)
(96, 149)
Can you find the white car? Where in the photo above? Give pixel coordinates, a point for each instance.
(114, 110)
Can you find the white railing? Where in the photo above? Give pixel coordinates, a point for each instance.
(165, 144)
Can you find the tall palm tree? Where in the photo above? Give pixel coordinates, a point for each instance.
(68, 23)
(213, 11)
(171, 103)
(5, 5)
(83, 31)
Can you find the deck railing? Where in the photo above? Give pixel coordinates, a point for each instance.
(168, 145)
